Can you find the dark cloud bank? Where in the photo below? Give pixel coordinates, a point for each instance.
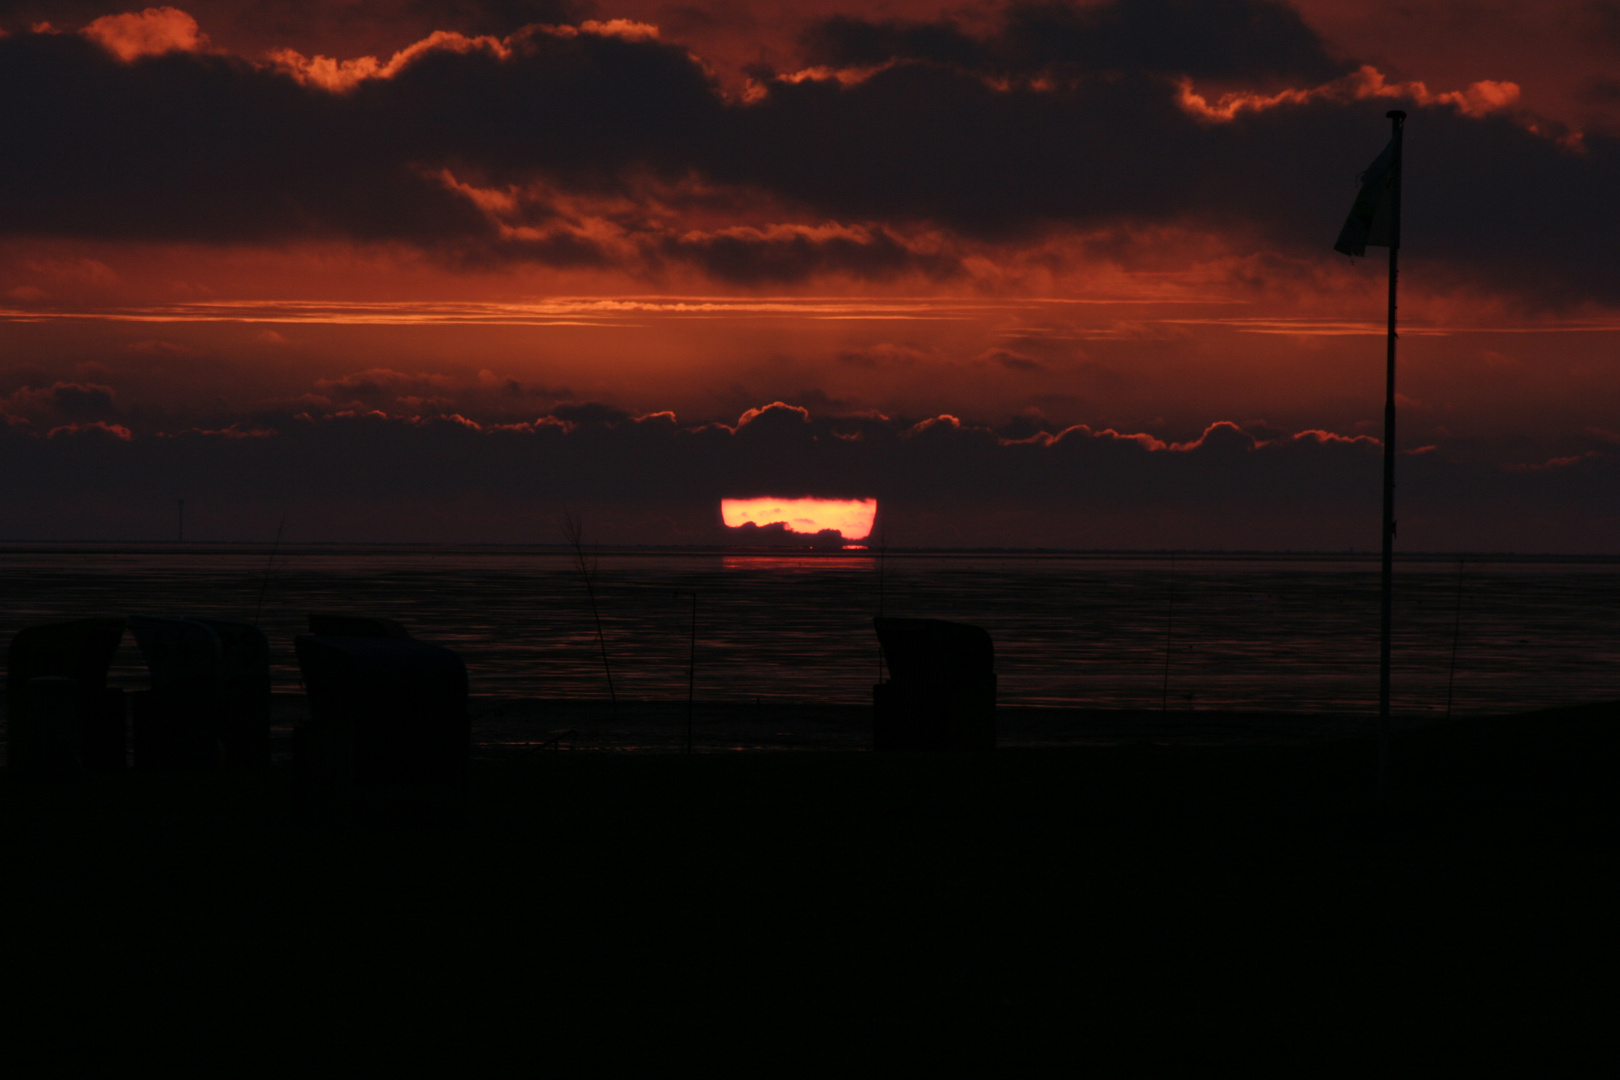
(1064, 116)
(654, 480)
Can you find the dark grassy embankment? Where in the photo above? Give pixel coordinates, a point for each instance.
(1131, 896)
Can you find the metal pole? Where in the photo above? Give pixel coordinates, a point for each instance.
(1397, 118)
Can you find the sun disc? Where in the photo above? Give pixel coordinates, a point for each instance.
(850, 518)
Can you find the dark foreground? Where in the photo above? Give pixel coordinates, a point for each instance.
(1124, 904)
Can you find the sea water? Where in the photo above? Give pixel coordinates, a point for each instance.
(1205, 631)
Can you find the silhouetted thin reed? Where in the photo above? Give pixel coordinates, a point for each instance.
(691, 667)
(1456, 635)
(574, 532)
(1169, 623)
(269, 565)
(882, 558)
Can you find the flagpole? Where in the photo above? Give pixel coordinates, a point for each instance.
(1397, 120)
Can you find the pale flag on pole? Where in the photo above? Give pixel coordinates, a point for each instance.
(1371, 219)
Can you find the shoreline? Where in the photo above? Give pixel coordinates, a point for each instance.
(262, 548)
(660, 726)
(504, 729)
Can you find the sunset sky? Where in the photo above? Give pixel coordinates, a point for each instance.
(1028, 274)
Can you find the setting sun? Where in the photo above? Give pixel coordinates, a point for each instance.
(851, 518)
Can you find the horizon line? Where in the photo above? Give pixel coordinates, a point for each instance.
(855, 551)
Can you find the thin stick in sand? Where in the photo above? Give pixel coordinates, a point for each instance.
(1456, 635)
(269, 565)
(574, 531)
(1169, 622)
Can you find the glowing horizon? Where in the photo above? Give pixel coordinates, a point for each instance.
(850, 518)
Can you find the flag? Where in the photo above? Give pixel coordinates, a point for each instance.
(1371, 220)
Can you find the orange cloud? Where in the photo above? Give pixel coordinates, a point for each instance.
(1552, 463)
(776, 406)
(117, 431)
(233, 431)
(1321, 436)
(628, 29)
(152, 32)
(1479, 99)
(339, 76)
(943, 419)
(844, 76)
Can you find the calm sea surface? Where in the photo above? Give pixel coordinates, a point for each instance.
(1290, 633)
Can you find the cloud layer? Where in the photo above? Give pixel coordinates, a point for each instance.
(900, 147)
(246, 264)
(359, 475)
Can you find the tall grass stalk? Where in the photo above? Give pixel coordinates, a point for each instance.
(269, 566)
(574, 532)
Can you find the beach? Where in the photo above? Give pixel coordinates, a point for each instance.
(626, 907)
(504, 729)
(598, 895)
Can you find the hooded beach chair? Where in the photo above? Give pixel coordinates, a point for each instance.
(61, 716)
(209, 703)
(385, 713)
(941, 692)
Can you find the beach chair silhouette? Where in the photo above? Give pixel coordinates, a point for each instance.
(328, 624)
(387, 717)
(941, 692)
(61, 716)
(209, 703)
